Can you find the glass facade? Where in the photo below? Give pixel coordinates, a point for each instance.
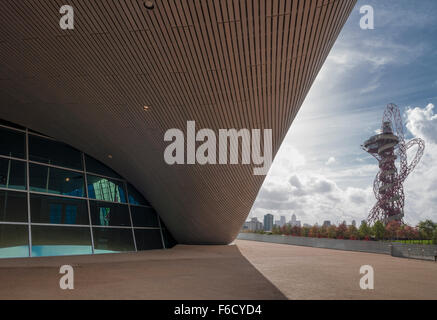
(56, 200)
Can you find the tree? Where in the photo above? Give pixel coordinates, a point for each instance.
(411, 233)
(341, 231)
(286, 229)
(402, 232)
(426, 229)
(365, 231)
(276, 230)
(314, 231)
(392, 229)
(378, 230)
(434, 236)
(323, 232)
(304, 232)
(332, 232)
(295, 231)
(352, 232)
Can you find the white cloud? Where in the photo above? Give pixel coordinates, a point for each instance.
(423, 122)
(330, 161)
(374, 85)
(295, 182)
(420, 187)
(363, 170)
(378, 52)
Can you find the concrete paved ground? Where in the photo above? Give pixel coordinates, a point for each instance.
(247, 270)
(313, 273)
(184, 272)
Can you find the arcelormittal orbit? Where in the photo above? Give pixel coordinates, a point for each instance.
(388, 146)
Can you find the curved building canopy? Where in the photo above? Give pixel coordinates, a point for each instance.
(112, 86)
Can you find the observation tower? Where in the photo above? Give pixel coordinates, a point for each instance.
(387, 147)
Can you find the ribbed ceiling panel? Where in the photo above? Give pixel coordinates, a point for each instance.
(225, 64)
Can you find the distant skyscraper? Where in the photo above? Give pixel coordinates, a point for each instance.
(282, 221)
(294, 222)
(268, 222)
(354, 223)
(253, 225)
(327, 223)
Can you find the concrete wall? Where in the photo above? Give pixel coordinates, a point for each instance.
(350, 245)
(415, 251)
(425, 252)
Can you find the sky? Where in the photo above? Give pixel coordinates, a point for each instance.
(320, 172)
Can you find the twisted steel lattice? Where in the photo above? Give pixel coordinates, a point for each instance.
(386, 147)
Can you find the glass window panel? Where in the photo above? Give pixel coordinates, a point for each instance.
(12, 143)
(144, 217)
(54, 180)
(108, 240)
(148, 239)
(11, 124)
(95, 166)
(60, 241)
(109, 214)
(54, 152)
(14, 241)
(58, 210)
(135, 197)
(106, 189)
(12, 174)
(13, 206)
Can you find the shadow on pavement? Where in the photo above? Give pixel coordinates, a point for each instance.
(184, 272)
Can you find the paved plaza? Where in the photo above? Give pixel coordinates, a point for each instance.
(244, 270)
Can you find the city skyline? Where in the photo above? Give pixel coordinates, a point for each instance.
(301, 223)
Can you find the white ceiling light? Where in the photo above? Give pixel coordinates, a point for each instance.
(149, 4)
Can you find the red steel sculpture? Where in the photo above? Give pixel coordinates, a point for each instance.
(388, 146)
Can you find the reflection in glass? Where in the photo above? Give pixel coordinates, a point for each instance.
(135, 197)
(95, 166)
(109, 214)
(54, 152)
(13, 206)
(105, 189)
(14, 241)
(60, 241)
(57, 200)
(107, 240)
(57, 181)
(148, 239)
(144, 217)
(12, 174)
(12, 143)
(57, 210)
